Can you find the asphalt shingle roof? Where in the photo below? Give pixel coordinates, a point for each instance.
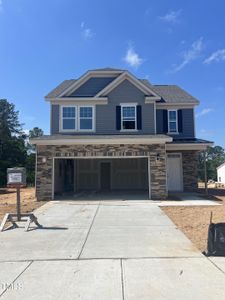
(173, 94)
(168, 93)
(60, 88)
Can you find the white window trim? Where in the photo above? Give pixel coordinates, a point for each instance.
(93, 118)
(77, 119)
(128, 105)
(61, 119)
(168, 113)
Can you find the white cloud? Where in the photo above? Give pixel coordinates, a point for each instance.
(132, 58)
(172, 16)
(204, 112)
(86, 32)
(216, 56)
(190, 55)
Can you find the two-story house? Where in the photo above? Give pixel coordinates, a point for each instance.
(113, 131)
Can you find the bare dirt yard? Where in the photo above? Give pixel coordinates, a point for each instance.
(8, 201)
(194, 220)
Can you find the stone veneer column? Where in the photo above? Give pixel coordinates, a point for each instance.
(157, 166)
(44, 173)
(158, 172)
(190, 170)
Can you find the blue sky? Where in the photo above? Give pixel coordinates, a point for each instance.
(43, 42)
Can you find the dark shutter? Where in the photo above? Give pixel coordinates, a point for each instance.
(180, 121)
(165, 121)
(118, 117)
(139, 117)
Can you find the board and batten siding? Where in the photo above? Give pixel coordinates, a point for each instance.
(188, 130)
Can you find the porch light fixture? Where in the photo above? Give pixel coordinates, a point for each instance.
(157, 157)
(44, 159)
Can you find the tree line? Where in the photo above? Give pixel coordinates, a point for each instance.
(16, 151)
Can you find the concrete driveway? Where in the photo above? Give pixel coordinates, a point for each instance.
(105, 250)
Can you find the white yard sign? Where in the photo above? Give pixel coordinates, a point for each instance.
(15, 178)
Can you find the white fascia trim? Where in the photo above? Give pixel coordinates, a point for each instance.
(175, 105)
(75, 99)
(85, 77)
(127, 75)
(198, 147)
(109, 141)
(152, 99)
(76, 84)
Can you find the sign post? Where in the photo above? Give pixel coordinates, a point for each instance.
(18, 204)
(16, 178)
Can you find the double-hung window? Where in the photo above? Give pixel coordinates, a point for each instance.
(128, 117)
(172, 121)
(69, 118)
(77, 118)
(86, 118)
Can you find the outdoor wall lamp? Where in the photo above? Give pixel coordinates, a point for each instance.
(157, 157)
(44, 159)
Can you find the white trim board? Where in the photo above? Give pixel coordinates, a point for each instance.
(193, 146)
(93, 100)
(97, 141)
(85, 78)
(180, 105)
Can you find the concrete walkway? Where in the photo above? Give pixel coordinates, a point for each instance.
(105, 250)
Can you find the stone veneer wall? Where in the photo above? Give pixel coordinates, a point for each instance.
(190, 170)
(44, 169)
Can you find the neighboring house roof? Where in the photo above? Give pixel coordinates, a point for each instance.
(221, 166)
(94, 85)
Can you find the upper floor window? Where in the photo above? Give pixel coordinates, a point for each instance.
(69, 118)
(128, 117)
(86, 118)
(172, 121)
(75, 118)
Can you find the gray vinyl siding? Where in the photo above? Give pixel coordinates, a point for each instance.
(54, 119)
(126, 92)
(187, 121)
(106, 114)
(92, 86)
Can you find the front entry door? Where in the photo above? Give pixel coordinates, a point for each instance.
(174, 172)
(105, 175)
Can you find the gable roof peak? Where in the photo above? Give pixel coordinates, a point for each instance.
(107, 69)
